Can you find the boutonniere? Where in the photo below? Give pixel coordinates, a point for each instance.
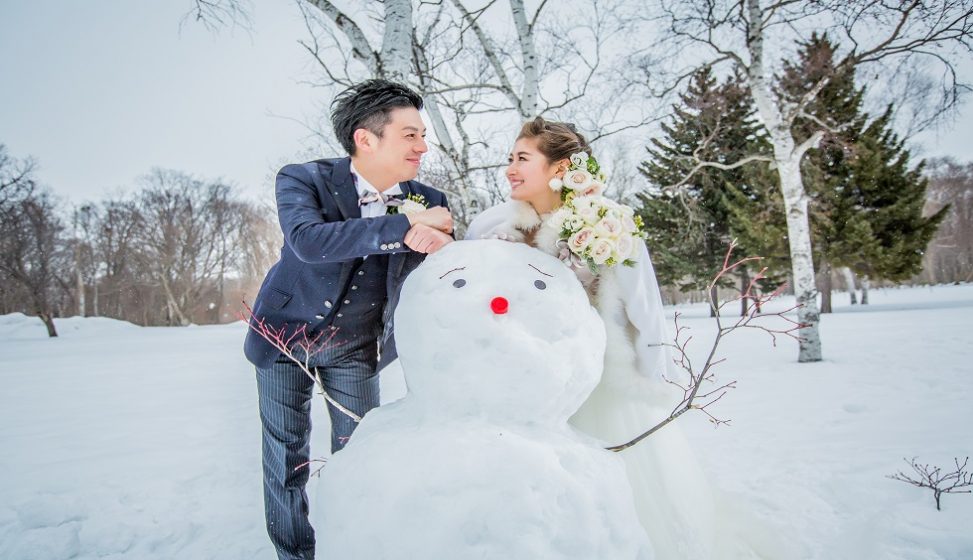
(408, 205)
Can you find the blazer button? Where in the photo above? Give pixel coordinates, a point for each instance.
(397, 244)
(319, 316)
(361, 272)
(327, 304)
(384, 247)
(340, 315)
(347, 301)
(354, 287)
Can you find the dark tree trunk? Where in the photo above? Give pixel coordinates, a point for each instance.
(744, 283)
(49, 323)
(825, 287)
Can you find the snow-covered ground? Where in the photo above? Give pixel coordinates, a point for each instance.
(125, 442)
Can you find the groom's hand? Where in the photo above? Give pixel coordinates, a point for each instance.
(436, 217)
(424, 239)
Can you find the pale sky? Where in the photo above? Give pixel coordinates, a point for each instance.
(100, 92)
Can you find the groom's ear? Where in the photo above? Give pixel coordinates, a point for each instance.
(364, 140)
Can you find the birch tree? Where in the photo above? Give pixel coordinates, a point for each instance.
(746, 33)
(482, 67)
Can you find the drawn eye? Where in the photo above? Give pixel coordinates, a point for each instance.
(459, 283)
(539, 284)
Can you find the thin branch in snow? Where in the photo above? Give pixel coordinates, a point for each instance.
(933, 478)
(693, 398)
(287, 342)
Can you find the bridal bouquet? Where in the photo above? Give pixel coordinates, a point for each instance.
(595, 231)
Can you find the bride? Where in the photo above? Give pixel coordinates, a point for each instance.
(551, 163)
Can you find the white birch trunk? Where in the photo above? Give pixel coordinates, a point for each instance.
(787, 157)
(80, 282)
(866, 284)
(850, 284)
(396, 57)
(525, 36)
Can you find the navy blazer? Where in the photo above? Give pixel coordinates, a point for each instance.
(325, 238)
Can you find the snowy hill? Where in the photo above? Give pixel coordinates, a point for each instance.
(129, 442)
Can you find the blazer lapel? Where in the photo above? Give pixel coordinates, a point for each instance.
(343, 189)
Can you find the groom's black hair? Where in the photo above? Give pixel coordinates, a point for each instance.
(368, 105)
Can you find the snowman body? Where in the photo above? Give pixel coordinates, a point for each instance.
(499, 346)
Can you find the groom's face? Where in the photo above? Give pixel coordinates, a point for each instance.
(399, 150)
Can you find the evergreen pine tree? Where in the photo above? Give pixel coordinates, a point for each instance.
(689, 227)
(865, 203)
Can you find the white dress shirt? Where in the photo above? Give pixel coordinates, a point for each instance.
(377, 208)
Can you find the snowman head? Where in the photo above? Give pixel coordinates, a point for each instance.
(495, 328)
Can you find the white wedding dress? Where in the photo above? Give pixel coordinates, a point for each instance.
(674, 501)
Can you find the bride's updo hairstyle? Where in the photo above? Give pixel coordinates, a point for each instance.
(556, 140)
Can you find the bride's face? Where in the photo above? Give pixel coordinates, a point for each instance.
(529, 173)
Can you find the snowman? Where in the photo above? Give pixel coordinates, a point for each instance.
(499, 347)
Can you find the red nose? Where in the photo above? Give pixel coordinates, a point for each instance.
(499, 305)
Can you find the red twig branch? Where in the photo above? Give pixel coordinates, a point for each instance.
(317, 471)
(297, 340)
(692, 398)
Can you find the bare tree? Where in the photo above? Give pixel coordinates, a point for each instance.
(743, 33)
(31, 252)
(183, 239)
(482, 69)
(114, 248)
(16, 177)
(935, 479)
(950, 254)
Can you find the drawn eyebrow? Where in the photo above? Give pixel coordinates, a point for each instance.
(451, 271)
(541, 271)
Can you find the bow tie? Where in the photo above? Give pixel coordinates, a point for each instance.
(392, 200)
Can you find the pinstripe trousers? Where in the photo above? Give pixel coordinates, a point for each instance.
(285, 392)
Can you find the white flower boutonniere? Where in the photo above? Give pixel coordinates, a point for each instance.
(409, 205)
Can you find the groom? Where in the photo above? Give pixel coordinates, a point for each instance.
(340, 270)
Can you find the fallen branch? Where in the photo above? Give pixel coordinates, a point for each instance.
(298, 340)
(692, 398)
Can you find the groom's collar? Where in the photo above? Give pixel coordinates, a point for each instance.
(364, 187)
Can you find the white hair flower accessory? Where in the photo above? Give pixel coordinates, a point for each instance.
(577, 179)
(556, 184)
(579, 159)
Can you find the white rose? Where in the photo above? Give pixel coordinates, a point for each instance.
(574, 222)
(626, 210)
(410, 206)
(608, 227)
(579, 159)
(577, 179)
(582, 202)
(590, 215)
(580, 240)
(629, 224)
(625, 245)
(594, 189)
(558, 218)
(601, 250)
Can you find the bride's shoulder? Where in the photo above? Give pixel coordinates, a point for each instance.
(504, 218)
